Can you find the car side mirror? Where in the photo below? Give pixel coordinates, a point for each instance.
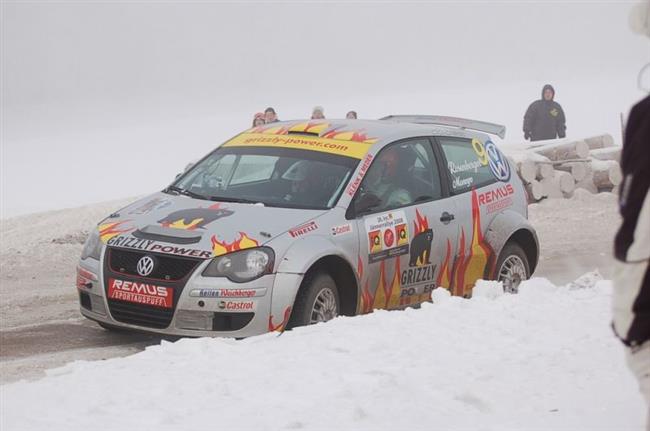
(365, 203)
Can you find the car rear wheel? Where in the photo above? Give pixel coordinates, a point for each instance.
(317, 301)
(512, 267)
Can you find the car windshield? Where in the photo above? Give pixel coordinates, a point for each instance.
(282, 177)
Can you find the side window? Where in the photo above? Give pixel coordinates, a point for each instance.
(253, 168)
(402, 174)
(467, 163)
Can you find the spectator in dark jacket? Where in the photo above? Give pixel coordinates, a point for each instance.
(544, 118)
(631, 298)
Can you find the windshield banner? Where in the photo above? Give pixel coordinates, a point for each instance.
(355, 150)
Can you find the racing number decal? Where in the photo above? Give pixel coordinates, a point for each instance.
(479, 149)
(490, 155)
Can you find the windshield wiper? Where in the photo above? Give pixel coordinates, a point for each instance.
(236, 200)
(185, 192)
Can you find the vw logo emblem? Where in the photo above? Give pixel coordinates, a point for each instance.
(498, 164)
(145, 266)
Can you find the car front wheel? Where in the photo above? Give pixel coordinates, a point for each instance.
(512, 267)
(317, 301)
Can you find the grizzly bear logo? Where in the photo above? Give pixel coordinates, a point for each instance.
(194, 218)
(421, 248)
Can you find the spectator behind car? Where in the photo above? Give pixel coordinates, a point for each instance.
(270, 116)
(258, 119)
(318, 113)
(544, 118)
(352, 115)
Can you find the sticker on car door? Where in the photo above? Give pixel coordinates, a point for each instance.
(388, 235)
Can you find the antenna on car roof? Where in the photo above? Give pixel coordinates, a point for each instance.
(461, 123)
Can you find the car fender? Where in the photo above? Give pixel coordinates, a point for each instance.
(509, 224)
(291, 270)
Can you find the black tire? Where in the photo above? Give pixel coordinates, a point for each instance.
(511, 252)
(312, 286)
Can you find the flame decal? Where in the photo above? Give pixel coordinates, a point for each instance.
(282, 325)
(109, 230)
(420, 224)
(180, 224)
(387, 296)
(457, 275)
(365, 299)
(379, 301)
(316, 127)
(479, 261)
(222, 247)
(269, 130)
(394, 292)
(350, 135)
(444, 278)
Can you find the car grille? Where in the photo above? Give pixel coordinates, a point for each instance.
(169, 271)
(140, 315)
(167, 268)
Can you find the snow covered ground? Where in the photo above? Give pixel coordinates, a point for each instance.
(543, 359)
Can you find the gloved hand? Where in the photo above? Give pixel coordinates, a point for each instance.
(527, 135)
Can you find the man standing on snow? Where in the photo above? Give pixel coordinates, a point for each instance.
(631, 298)
(544, 118)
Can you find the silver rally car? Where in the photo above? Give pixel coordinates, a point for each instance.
(296, 222)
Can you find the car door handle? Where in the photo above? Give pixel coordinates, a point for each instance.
(446, 218)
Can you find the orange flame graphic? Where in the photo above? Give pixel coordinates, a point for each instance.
(180, 224)
(387, 296)
(456, 286)
(444, 278)
(282, 325)
(222, 247)
(351, 135)
(479, 261)
(269, 130)
(365, 299)
(316, 127)
(109, 230)
(420, 224)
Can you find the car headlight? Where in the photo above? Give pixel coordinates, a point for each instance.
(242, 266)
(92, 247)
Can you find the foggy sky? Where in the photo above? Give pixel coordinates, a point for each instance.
(72, 70)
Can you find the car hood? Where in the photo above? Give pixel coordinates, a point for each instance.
(190, 227)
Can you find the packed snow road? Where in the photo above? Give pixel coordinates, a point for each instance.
(41, 327)
(543, 359)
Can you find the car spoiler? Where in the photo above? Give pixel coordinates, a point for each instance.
(462, 123)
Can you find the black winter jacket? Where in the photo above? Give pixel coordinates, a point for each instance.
(632, 242)
(544, 119)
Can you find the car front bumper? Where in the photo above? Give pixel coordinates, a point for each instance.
(206, 306)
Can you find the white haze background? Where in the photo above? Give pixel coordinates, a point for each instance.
(103, 101)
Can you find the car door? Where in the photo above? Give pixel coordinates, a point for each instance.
(406, 230)
(478, 187)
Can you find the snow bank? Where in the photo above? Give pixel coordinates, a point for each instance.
(543, 359)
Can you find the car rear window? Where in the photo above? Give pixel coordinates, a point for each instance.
(467, 164)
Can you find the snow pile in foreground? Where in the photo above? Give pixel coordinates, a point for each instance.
(543, 359)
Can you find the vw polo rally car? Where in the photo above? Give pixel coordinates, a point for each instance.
(297, 222)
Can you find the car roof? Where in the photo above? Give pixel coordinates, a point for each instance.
(379, 131)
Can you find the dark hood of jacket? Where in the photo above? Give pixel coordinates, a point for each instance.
(548, 87)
